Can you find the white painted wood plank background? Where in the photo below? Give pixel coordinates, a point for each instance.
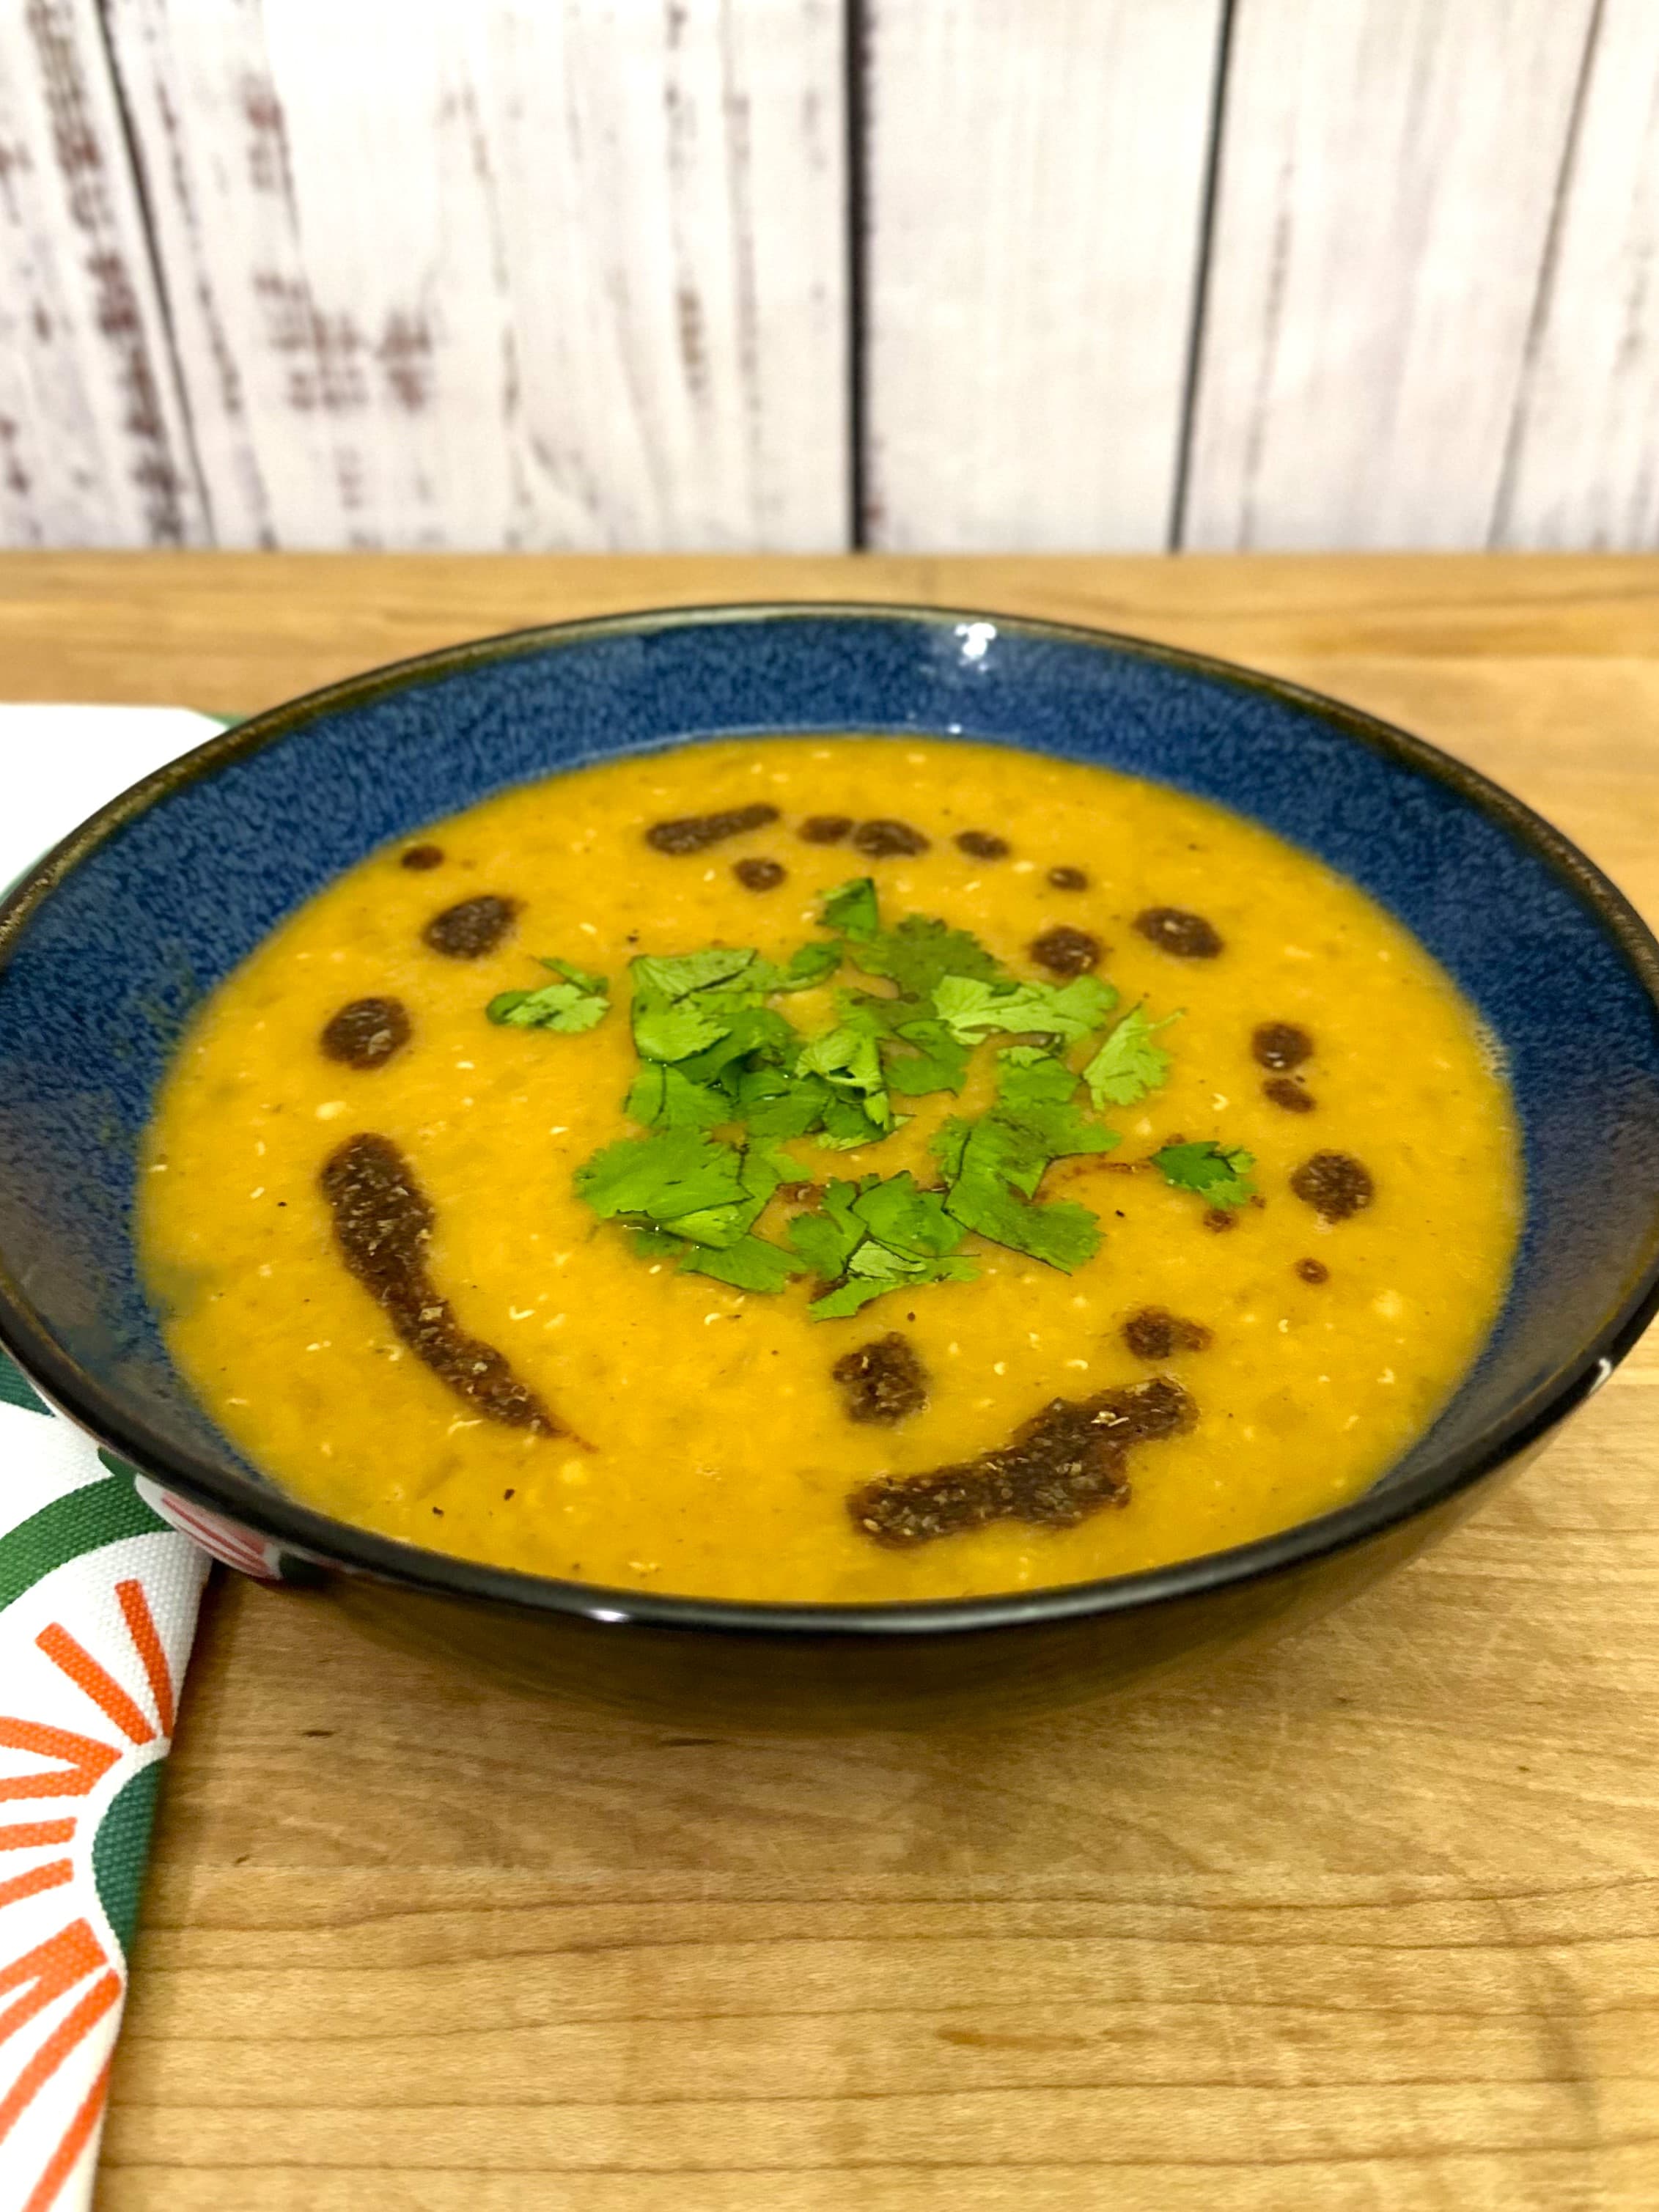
(1388, 172)
(93, 445)
(1035, 192)
(1585, 459)
(528, 273)
(585, 273)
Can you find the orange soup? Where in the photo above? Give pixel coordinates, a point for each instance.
(831, 1169)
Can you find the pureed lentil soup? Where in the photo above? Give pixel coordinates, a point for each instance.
(620, 1182)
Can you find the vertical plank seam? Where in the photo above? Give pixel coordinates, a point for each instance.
(1544, 291)
(1203, 256)
(141, 194)
(855, 67)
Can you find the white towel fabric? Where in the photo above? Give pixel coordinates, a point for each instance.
(98, 1599)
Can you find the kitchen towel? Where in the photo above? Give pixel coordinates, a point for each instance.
(98, 1598)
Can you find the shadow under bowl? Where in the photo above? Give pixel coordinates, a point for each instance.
(109, 946)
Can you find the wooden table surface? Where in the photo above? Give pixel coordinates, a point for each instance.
(1371, 1920)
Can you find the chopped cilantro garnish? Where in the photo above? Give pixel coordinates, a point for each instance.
(1219, 1173)
(993, 1164)
(716, 1055)
(746, 1030)
(665, 1099)
(850, 909)
(918, 953)
(807, 966)
(972, 1009)
(682, 1181)
(576, 1002)
(751, 1264)
(684, 1003)
(921, 952)
(846, 1057)
(1027, 1075)
(874, 1235)
(1129, 1065)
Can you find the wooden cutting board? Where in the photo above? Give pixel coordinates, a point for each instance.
(1371, 1920)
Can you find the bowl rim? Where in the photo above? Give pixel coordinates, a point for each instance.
(343, 1546)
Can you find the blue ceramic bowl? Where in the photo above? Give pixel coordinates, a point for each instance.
(107, 948)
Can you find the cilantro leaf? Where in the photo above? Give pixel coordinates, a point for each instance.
(850, 909)
(921, 952)
(928, 1058)
(877, 1235)
(665, 1030)
(751, 1264)
(999, 1167)
(848, 1060)
(1028, 1076)
(1219, 1173)
(826, 1241)
(684, 1181)
(994, 1165)
(576, 1002)
(677, 975)
(776, 1103)
(907, 1220)
(919, 1054)
(972, 1009)
(916, 955)
(747, 1030)
(759, 1172)
(664, 1097)
(807, 966)
(1129, 1065)
(661, 1178)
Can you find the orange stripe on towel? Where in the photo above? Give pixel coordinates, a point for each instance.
(101, 1687)
(140, 1626)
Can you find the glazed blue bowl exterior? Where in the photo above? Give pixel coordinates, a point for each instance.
(107, 948)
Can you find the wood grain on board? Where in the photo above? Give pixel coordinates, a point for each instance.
(505, 275)
(1368, 1922)
(1035, 193)
(1584, 463)
(1387, 176)
(93, 449)
(230, 633)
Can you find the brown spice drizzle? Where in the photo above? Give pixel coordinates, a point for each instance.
(468, 931)
(1067, 952)
(1284, 1091)
(1065, 1464)
(694, 833)
(825, 829)
(883, 837)
(1220, 1218)
(759, 875)
(366, 1033)
(1313, 1271)
(1280, 1046)
(1335, 1184)
(1172, 929)
(1156, 1334)
(383, 1225)
(983, 845)
(422, 857)
(1069, 879)
(883, 1381)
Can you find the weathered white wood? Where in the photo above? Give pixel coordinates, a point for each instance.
(1388, 173)
(1584, 470)
(92, 449)
(505, 273)
(1036, 184)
